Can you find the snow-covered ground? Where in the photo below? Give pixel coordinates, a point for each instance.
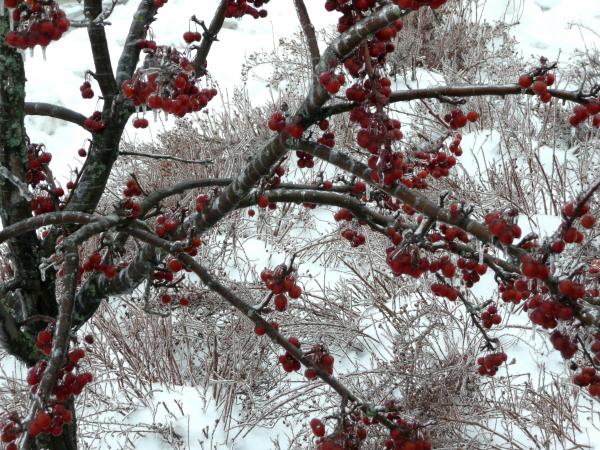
(554, 28)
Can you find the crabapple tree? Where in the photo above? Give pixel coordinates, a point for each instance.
(65, 247)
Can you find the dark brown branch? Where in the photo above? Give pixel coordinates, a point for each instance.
(53, 218)
(309, 32)
(205, 162)
(459, 91)
(97, 36)
(58, 112)
(210, 35)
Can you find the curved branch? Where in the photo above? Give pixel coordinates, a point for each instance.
(459, 91)
(58, 112)
(252, 314)
(53, 218)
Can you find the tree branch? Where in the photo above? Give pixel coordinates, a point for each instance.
(131, 52)
(58, 112)
(459, 91)
(97, 36)
(216, 24)
(205, 162)
(309, 32)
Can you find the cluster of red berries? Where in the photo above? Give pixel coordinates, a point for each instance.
(356, 239)
(450, 233)
(239, 8)
(376, 132)
(573, 211)
(515, 291)
(51, 420)
(86, 90)
(532, 268)
(445, 265)
(503, 226)
(343, 214)
(41, 204)
(167, 299)
(319, 356)
(36, 22)
(164, 225)
(166, 82)
(444, 290)
(457, 119)
(37, 158)
(347, 435)
(94, 264)
(279, 281)
(546, 312)
(201, 202)
(455, 147)
(582, 112)
(588, 377)
(94, 122)
(471, 271)
(416, 4)
(394, 235)
(263, 202)
(437, 164)
(11, 430)
(491, 317)
(328, 140)
(192, 36)
(563, 344)
(287, 361)
(131, 190)
(538, 84)
(332, 82)
(488, 365)
(260, 330)
(277, 122)
(406, 262)
(140, 122)
(571, 289)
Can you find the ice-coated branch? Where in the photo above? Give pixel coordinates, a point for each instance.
(459, 92)
(131, 51)
(309, 32)
(97, 36)
(252, 314)
(209, 37)
(58, 112)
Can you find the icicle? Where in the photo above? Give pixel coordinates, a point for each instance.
(31, 49)
(1, 11)
(166, 115)
(480, 252)
(10, 19)
(44, 53)
(138, 109)
(155, 114)
(144, 108)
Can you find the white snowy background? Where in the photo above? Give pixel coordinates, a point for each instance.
(548, 27)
